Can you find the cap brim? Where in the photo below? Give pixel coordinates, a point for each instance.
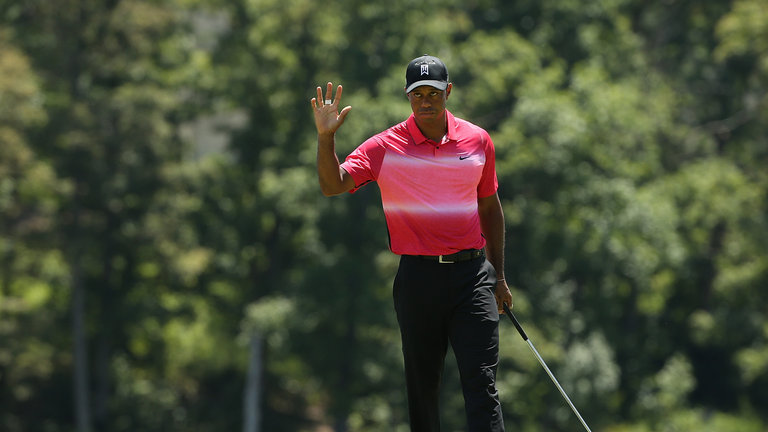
(440, 85)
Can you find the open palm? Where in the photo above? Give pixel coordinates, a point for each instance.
(328, 119)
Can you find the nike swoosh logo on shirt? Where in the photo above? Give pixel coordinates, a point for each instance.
(463, 157)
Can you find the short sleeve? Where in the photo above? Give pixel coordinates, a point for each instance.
(364, 163)
(488, 181)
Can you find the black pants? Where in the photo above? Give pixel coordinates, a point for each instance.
(440, 303)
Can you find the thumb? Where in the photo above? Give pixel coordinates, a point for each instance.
(343, 114)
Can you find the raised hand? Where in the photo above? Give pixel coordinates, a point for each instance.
(328, 119)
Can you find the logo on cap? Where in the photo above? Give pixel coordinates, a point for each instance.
(426, 70)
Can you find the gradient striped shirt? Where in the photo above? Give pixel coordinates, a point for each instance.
(429, 190)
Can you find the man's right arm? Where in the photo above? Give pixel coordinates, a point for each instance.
(334, 180)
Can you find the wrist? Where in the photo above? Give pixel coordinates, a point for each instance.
(326, 141)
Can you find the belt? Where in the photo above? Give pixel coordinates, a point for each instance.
(464, 255)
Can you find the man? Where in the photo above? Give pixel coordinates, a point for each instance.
(438, 188)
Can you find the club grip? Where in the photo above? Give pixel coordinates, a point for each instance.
(511, 316)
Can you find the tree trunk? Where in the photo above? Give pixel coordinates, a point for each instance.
(82, 402)
(252, 394)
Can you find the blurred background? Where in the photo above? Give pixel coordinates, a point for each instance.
(168, 263)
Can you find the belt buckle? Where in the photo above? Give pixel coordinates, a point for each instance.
(441, 261)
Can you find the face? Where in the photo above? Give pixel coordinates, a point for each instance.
(428, 103)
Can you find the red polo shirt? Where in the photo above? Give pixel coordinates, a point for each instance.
(429, 190)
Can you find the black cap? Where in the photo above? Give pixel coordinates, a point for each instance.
(426, 70)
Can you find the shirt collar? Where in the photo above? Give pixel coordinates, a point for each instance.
(419, 138)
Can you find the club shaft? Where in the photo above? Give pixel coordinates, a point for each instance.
(544, 365)
(557, 384)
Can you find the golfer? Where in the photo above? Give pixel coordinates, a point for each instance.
(437, 177)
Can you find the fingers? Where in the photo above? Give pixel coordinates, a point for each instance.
(328, 99)
(339, 89)
(503, 296)
(508, 301)
(326, 109)
(317, 102)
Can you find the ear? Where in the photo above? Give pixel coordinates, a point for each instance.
(448, 90)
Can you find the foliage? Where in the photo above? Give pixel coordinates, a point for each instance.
(157, 156)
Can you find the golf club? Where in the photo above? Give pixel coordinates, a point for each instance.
(544, 365)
